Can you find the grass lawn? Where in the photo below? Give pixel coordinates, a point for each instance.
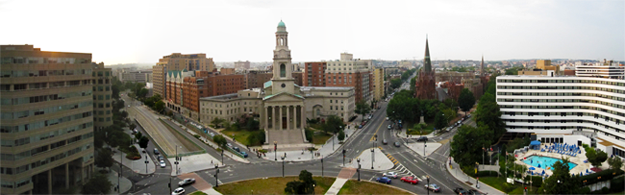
(240, 135)
(320, 137)
(428, 129)
(274, 185)
(499, 182)
(355, 187)
(198, 193)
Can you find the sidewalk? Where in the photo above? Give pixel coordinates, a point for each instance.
(418, 147)
(461, 176)
(124, 183)
(138, 166)
(343, 176)
(381, 161)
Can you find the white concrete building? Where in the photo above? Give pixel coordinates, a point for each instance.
(281, 106)
(554, 107)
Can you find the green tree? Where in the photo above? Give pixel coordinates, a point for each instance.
(333, 124)
(466, 100)
(466, 148)
(413, 83)
(596, 157)
(217, 122)
(439, 121)
(143, 142)
(104, 159)
(305, 184)
(489, 114)
(395, 83)
(561, 181)
(341, 136)
(159, 106)
(220, 140)
(98, 184)
(615, 163)
(142, 93)
(362, 108)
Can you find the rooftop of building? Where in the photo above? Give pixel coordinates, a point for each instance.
(221, 97)
(309, 88)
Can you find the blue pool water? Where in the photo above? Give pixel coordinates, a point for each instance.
(544, 162)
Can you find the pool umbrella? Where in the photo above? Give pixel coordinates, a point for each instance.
(539, 166)
(586, 170)
(532, 168)
(543, 172)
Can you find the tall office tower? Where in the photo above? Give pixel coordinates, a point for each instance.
(47, 121)
(378, 84)
(159, 79)
(102, 96)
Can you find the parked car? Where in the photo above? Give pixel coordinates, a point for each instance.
(433, 187)
(474, 192)
(236, 149)
(422, 139)
(160, 158)
(186, 181)
(389, 127)
(397, 144)
(461, 191)
(383, 180)
(163, 164)
(178, 191)
(143, 150)
(384, 142)
(390, 175)
(229, 145)
(412, 180)
(386, 118)
(244, 154)
(156, 151)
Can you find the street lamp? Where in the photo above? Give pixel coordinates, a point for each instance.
(428, 179)
(176, 162)
(372, 158)
(322, 166)
(358, 160)
(275, 150)
(424, 146)
(222, 156)
(283, 157)
(146, 164)
(217, 176)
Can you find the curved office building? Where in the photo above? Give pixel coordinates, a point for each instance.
(552, 106)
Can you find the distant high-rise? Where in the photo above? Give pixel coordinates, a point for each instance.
(102, 95)
(178, 62)
(47, 118)
(241, 65)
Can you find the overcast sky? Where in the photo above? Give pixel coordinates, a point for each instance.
(230, 30)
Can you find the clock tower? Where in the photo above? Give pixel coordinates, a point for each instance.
(282, 80)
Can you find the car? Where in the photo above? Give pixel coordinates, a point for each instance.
(163, 164)
(186, 181)
(412, 180)
(433, 187)
(474, 192)
(461, 191)
(389, 127)
(156, 151)
(211, 134)
(236, 148)
(422, 139)
(390, 175)
(160, 158)
(229, 145)
(244, 154)
(370, 116)
(143, 150)
(178, 191)
(386, 118)
(384, 142)
(383, 180)
(397, 144)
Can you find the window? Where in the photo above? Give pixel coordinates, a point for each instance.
(282, 70)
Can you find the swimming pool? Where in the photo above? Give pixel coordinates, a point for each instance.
(544, 162)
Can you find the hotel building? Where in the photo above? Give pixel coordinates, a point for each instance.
(555, 106)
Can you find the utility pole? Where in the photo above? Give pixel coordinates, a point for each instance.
(282, 157)
(216, 176)
(322, 166)
(358, 160)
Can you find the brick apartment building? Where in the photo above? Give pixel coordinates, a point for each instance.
(255, 78)
(314, 74)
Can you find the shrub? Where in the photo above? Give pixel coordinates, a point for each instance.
(537, 181)
(616, 185)
(487, 173)
(309, 134)
(196, 136)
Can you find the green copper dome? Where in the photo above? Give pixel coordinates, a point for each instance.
(281, 24)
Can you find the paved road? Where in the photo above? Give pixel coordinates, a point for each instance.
(163, 137)
(408, 162)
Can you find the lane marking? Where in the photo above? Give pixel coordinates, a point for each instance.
(376, 131)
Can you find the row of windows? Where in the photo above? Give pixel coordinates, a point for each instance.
(562, 94)
(538, 128)
(101, 97)
(45, 123)
(46, 135)
(618, 91)
(42, 60)
(43, 73)
(561, 81)
(570, 101)
(45, 85)
(48, 110)
(43, 98)
(568, 120)
(24, 168)
(10, 184)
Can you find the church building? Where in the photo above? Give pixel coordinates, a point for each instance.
(281, 106)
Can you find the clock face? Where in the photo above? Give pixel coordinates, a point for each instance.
(283, 85)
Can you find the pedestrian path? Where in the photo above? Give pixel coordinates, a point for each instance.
(380, 160)
(462, 177)
(343, 176)
(124, 183)
(139, 165)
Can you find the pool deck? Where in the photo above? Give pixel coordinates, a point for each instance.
(579, 160)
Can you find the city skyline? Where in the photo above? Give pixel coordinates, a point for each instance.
(143, 32)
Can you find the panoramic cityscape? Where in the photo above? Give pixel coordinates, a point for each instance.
(519, 97)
